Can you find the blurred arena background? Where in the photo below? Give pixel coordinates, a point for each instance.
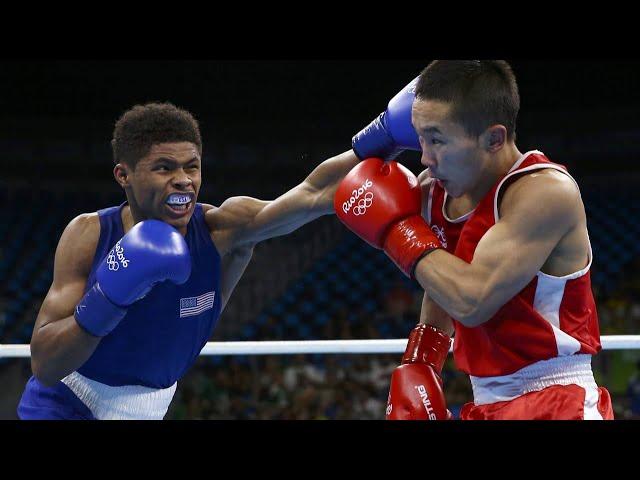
(265, 125)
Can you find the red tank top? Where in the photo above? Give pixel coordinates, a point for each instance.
(550, 317)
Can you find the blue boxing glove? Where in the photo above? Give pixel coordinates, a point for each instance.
(392, 132)
(151, 252)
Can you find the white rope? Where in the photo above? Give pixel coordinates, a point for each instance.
(609, 342)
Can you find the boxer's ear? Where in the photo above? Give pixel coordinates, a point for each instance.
(121, 173)
(494, 138)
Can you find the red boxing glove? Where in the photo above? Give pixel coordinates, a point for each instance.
(416, 387)
(382, 203)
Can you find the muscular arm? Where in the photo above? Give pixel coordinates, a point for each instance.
(432, 314)
(58, 344)
(242, 221)
(539, 210)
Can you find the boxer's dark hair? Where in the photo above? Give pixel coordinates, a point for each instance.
(482, 92)
(145, 125)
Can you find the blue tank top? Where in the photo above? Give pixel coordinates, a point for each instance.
(161, 335)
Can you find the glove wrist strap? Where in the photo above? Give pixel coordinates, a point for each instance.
(96, 314)
(408, 241)
(427, 344)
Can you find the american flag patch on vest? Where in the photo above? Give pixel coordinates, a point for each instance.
(196, 305)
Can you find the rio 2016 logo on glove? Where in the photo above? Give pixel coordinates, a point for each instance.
(363, 204)
(117, 255)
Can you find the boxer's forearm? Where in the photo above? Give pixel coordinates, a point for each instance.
(255, 220)
(59, 348)
(454, 286)
(432, 314)
(326, 177)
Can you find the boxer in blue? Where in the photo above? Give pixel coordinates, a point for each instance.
(138, 288)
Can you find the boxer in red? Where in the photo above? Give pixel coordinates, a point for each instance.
(498, 240)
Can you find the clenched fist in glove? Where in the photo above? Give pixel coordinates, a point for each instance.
(382, 203)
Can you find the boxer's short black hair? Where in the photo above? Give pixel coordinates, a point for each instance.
(482, 92)
(143, 126)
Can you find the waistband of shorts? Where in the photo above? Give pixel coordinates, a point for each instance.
(567, 370)
(127, 402)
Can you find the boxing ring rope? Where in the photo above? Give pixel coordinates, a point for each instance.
(609, 342)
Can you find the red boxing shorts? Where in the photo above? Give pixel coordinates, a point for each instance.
(560, 388)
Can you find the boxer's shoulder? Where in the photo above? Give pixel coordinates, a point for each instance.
(85, 225)
(223, 223)
(546, 185)
(78, 243)
(206, 208)
(209, 213)
(234, 215)
(235, 231)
